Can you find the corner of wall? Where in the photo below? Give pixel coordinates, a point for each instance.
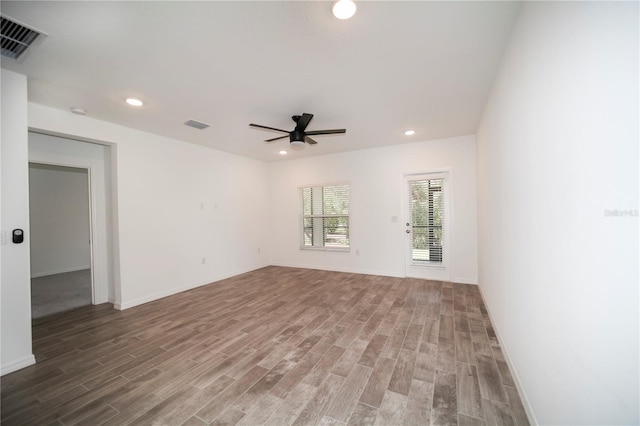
(16, 346)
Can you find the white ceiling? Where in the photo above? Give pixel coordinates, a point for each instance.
(426, 66)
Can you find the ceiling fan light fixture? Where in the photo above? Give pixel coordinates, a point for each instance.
(297, 145)
(296, 136)
(344, 9)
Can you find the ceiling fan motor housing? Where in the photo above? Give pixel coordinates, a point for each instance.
(296, 135)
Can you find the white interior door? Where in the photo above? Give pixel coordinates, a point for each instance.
(427, 226)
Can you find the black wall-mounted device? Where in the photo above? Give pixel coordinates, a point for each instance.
(17, 236)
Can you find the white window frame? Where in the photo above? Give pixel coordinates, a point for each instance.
(303, 216)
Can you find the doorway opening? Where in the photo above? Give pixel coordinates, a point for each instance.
(61, 252)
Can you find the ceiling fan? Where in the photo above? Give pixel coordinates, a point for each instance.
(298, 136)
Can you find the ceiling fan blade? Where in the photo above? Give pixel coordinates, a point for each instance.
(325, 132)
(303, 122)
(267, 127)
(275, 139)
(310, 141)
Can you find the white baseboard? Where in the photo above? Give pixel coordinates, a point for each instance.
(162, 294)
(18, 364)
(514, 373)
(459, 280)
(60, 271)
(346, 270)
(122, 305)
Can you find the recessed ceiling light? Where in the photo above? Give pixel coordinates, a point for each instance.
(283, 152)
(344, 9)
(134, 102)
(410, 132)
(78, 111)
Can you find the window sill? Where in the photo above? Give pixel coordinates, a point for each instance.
(429, 265)
(335, 249)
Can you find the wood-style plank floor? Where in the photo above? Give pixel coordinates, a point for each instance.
(277, 346)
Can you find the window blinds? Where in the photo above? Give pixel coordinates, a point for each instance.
(325, 216)
(427, 214)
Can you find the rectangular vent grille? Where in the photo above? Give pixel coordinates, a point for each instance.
(196, 124)
(16, 38)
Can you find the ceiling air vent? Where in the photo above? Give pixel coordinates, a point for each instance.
(196, 124)
(18, 39)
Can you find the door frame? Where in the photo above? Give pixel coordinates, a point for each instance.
(101, 260)
(430, 272)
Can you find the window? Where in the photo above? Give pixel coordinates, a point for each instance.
(325, 217)
(426, 204)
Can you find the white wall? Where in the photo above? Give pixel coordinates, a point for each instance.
(557, 148)
(176, 204)
(15, 288)
(376, 180)
(59, 219)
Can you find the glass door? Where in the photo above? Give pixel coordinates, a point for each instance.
(427, 226)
